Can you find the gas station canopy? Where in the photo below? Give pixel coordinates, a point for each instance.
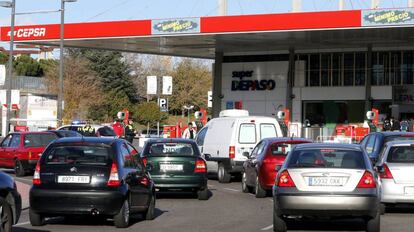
(202, 37)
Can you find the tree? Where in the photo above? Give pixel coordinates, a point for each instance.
(3, 58)
(25, 65)
(191, 81)
(81, 91)
(149, 113)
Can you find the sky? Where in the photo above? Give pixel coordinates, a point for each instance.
(113, 10)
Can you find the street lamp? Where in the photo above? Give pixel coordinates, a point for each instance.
(61, 62)
(12, 5)
(188, 108)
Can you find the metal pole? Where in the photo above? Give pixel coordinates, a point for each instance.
(296, 5)
(10, 68)
(375, 4)
(341, 4)
(222, 7)
(410, 3)
(61, 65)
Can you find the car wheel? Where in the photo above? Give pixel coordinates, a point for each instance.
(223, 175)
(6, 216)
(150, 214)
(18, 168)
(245, 188)
(258, 190)
(121, 220)
(36, 219)
(278, 224)
(203, 194)
(374, 224)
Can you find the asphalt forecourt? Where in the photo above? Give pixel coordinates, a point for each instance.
(228, 209)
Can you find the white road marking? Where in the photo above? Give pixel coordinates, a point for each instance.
(230, 189)
(22, 224)
(268, 227)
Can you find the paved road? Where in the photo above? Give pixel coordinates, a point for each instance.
(228, 209)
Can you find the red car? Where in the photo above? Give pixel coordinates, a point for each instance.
(21, 150)
(259, 170)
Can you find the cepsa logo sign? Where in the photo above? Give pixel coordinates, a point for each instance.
(245, 85)
(29, 32)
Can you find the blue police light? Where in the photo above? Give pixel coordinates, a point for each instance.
(77, 122)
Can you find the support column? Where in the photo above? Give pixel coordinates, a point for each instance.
(375, 4)
(341, 4)
(290, 78)
(222, 7)
(368, 79)
(217, 84)
(410, 3)
(296, 5)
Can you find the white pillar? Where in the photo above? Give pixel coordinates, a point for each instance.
(222, 7)
(410, 3)
(296, 5)
(341, 4)
(375, 4)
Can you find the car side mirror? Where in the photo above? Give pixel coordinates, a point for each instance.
(207, 157)
(278, 167)
(379, 169)
(246, 154)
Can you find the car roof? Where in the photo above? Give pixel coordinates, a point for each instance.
(400, 142)
(104, 140)
(285, 139)
(170, 140)
(391, 133)
(328, 145)
(31, 132)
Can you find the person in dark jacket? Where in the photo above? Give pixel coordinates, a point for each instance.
(130, 131)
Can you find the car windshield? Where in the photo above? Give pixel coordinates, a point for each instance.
(78, 154)
(38, 140)
(327, 158)
(401, 154)
(106, 131)
(170, 149)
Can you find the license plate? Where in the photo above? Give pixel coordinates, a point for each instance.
(409, 190)
(74, 179)
(326, 181)
(171, 167)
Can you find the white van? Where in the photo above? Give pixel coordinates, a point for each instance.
(223, 140)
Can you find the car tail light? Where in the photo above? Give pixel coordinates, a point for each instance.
(285, 180)
(30, 155)
(144, 181)
(144, 160)
(386, 173)
(367, 181)
(200, 166)
(36, 175)
(114, 177)
(232, 152)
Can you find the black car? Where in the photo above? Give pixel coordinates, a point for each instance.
(10, 203)
(373, 143)
(65, 133)
(91, 176)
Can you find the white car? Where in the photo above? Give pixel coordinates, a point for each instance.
(396, 168)
(223, 140)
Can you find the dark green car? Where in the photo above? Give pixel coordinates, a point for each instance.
(176, 164)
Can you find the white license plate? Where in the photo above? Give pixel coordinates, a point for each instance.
(326, 181)
(409, 190)
(74, 179)
(171, 167)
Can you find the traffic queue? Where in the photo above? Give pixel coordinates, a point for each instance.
(107, 177)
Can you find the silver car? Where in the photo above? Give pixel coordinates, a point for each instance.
(396, 168)
(326, 181)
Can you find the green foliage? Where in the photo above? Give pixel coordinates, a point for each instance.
(46, 65)
(113, 103)
(3, 58)
(25, 65)
(149, 113)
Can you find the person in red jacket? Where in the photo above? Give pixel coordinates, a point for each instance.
(118, 128)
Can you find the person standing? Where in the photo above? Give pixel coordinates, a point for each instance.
(189, 133)
(87, 129)
(130, 131)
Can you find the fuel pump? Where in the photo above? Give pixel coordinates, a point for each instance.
(283, 119)
(372, 117)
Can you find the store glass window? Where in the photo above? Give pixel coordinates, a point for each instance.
(325, 69)
(314, 72)
(336, 69)
(407, 67)
(348, 69)
(360, 68)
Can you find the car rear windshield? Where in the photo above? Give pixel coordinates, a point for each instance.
(327, 158)
(38, 140)
(399, 137)
(281, 149)
(106, 131)
(79, 154)
(401, 154)
(170, 149)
